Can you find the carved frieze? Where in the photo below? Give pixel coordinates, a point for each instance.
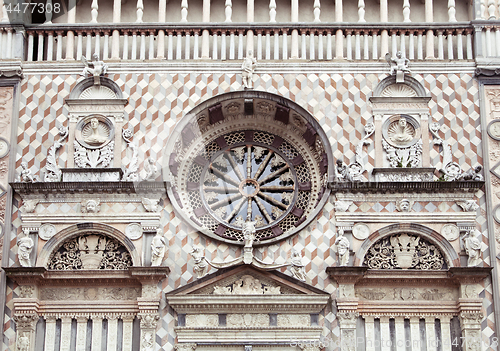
(90, 293)
(202, 320)
(248, 320)
(406, 294)
(294, 320)
(247, 285)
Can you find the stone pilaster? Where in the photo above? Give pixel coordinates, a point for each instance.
(347, 324)
(25, 331)
(470, 323)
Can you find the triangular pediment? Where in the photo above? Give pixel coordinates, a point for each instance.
(246, 280)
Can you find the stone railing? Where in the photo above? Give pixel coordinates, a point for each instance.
(232, 41)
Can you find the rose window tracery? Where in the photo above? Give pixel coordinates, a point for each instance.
(248, 159)
(404, 251)
(90, 251)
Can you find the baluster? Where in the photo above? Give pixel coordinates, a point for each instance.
(229, 10)
(411, 44)
(272, 11)
(349, 45)
(440, 45)
(40, 47)
(48, 13)
(214, 49)
(97, 47)
(125, 45)
(59, 45)
(394, 43)
(420, 45)
(160, 49)
(491, 9)
(9, 43)
(406, 11)
(232, 45)
(450, 44)
(357, 45)
(460, 46)
(469, 45)
(178, 51)
(50, 332)
(2, 46)
(329, 45)
(451, 11)
(143, 46)
(320, 45)
(88, 48)
(488, 41)
(497, 35)
(317, 10)
(312, 49)
(374, 45)
(140, 11)
(187, 53)
(196, 46)
(79, 45)
(240, 46)
(170, 46)
(105, 48)
(361, 11)
(30, 45)
(223, 45)
(276, 45)
(134, 46)
(366, 53)
(285, 46)
(402, 40)
(268, 45)
(259, 45)
(304, 45)
(184, 10)
(94, 11)
(339, 44)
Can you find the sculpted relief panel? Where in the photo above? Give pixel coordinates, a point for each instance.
(406, 294)
(113, 293)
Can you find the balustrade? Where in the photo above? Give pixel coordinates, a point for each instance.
(225, 42)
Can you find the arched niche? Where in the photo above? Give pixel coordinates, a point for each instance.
(86, 89)
(275, 131)
(84, 229)
(429, 235)
(389, 88)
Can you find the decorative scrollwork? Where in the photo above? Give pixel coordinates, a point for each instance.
(94, 251)
(404, 251)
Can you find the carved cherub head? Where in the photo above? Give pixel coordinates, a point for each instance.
(91, 206)
(404, 205)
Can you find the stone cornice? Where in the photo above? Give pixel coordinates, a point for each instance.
(88, 187)
(405, 187)
(42, 276)
(370, 277)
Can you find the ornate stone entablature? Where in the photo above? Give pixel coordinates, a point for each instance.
(243, 303)
(248, 156)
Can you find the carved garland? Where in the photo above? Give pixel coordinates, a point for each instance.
(404, 251)
(94, 251)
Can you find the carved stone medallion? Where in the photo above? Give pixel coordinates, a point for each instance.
(401, 131)
(360, 231)
(47, 231)
(94, 132)
(450, 232)
(133, 231)
(494, 129)
(4, 147)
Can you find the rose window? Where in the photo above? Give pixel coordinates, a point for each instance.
(248, 159)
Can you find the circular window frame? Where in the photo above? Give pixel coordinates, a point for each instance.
(238, 118)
